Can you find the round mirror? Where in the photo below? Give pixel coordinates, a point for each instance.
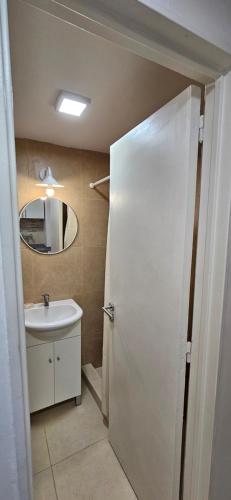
(48, 226)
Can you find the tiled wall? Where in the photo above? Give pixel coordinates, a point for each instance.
(78, 272)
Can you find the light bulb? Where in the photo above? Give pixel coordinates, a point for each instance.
(50, 192)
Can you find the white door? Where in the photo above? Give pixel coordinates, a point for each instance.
(67, 355)
(40, 376)
(153, 181)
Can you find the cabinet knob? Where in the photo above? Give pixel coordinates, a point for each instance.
(58, 358)
(50, 360)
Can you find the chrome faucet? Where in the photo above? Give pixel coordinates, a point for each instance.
(46, 297)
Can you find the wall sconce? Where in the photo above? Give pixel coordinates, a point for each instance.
(48, 181)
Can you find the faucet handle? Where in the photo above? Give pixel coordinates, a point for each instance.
(46, 298)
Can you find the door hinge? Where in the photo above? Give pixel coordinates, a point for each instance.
(110, 311)
(188, 352)
(201, 129)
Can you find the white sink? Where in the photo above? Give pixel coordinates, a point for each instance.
(58, 315)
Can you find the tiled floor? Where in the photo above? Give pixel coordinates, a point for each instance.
(72, 458)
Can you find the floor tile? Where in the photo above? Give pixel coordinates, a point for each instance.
(92, 474)
(70, 429)
(40, 456)
(44, 486)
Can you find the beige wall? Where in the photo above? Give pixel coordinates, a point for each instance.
(78, 272)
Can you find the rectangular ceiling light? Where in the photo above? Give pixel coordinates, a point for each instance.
(71, 104)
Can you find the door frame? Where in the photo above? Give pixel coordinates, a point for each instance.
(15, 450)
(129, 28)
(208, 305)
(210, 267)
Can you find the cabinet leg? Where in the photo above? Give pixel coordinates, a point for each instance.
(78, 400)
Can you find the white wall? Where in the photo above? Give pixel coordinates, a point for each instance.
(209, 19)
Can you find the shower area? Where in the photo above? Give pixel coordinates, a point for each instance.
(97, 377)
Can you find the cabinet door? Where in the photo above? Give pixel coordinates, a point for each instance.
(40, 376)
(67, 368)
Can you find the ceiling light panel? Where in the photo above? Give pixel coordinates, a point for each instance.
(71, 104)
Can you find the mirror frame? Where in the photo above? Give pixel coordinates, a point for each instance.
(34, 249)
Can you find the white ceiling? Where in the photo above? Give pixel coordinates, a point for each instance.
(49, 55)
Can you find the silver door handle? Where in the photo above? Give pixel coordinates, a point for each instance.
(110, 311)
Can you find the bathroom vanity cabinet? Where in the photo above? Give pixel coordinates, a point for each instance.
(54, 368)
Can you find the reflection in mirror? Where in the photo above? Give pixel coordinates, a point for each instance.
(48, 226)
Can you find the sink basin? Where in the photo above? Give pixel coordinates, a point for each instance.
(58, 315)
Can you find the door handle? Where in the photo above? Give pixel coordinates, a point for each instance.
(110, 311)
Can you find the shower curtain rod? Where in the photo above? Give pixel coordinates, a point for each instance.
(92, 185)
